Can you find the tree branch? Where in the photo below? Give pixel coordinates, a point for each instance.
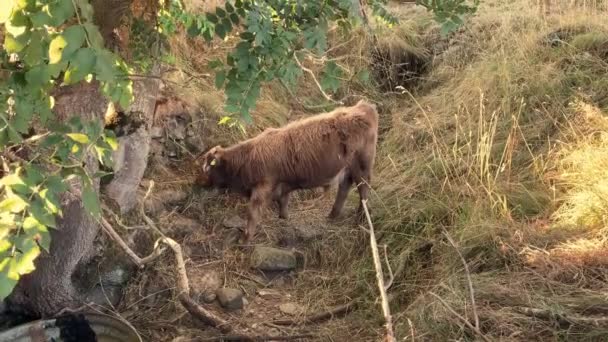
(390, 335)
(314, 78)
(459, 316)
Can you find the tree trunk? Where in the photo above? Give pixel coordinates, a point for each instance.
(51, 287)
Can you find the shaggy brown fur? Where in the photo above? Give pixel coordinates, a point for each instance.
(304, 154)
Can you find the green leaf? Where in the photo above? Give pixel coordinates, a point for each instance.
(39, 212)
(5, 11)
(212, 18)
(220, 31)
(13, 204)
(330, 79)
(94, 35)
(23, 263)
(224, 120)
(220, 12)
(51, 203)
(104, 66)
(80, 65)
(38, 232)
(65, 44)
(112, 142)
(234, 18)
(32, 54)
(220, 77)
(6, 283)
(60, 11)
(227, 25)
(56, 184)
(79, 138)
(38, 76)
(90, 200)
(229, 7)
(12, 44)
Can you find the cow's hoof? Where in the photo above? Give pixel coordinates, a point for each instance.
(284, 217)
(333, 217)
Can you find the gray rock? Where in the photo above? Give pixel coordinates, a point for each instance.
(207, 285)
(273, 259)
(234, 222)
(105, 296)
(308, 233)
(176, 129)
(231, 299)
(291, 309)
(209, 298)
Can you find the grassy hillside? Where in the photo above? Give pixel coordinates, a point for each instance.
(497, 140)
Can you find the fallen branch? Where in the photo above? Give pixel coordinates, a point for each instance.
(468, 274)
(459, 316)
(321, 316)
(390, 335)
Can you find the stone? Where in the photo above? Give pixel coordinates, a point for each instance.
(308, 233)
(231, 299)
(105, 295)
(234, 222)
(273, 259)
(209, 298)
(207, 284)
(291, 309)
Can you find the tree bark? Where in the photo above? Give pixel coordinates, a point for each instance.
(50, 288)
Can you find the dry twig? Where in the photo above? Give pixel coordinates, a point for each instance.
(390, 335)
(459, 316)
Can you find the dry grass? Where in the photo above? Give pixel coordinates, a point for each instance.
(502, 141)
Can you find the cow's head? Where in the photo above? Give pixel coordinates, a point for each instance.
(210, 167)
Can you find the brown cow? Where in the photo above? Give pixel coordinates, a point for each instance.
(304, 154)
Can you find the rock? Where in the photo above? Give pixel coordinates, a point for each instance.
(231, 299)
(207, 284)
(308, 233)
(171, 196)
(209, 298)
(273, 259)
(108, 295)
(269, 293)
(156, 132)
(291, 309)
(234, 222)
(116, 277)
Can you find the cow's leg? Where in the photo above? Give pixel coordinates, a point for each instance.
(343, 189)
(283, 204)
(259, 198)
